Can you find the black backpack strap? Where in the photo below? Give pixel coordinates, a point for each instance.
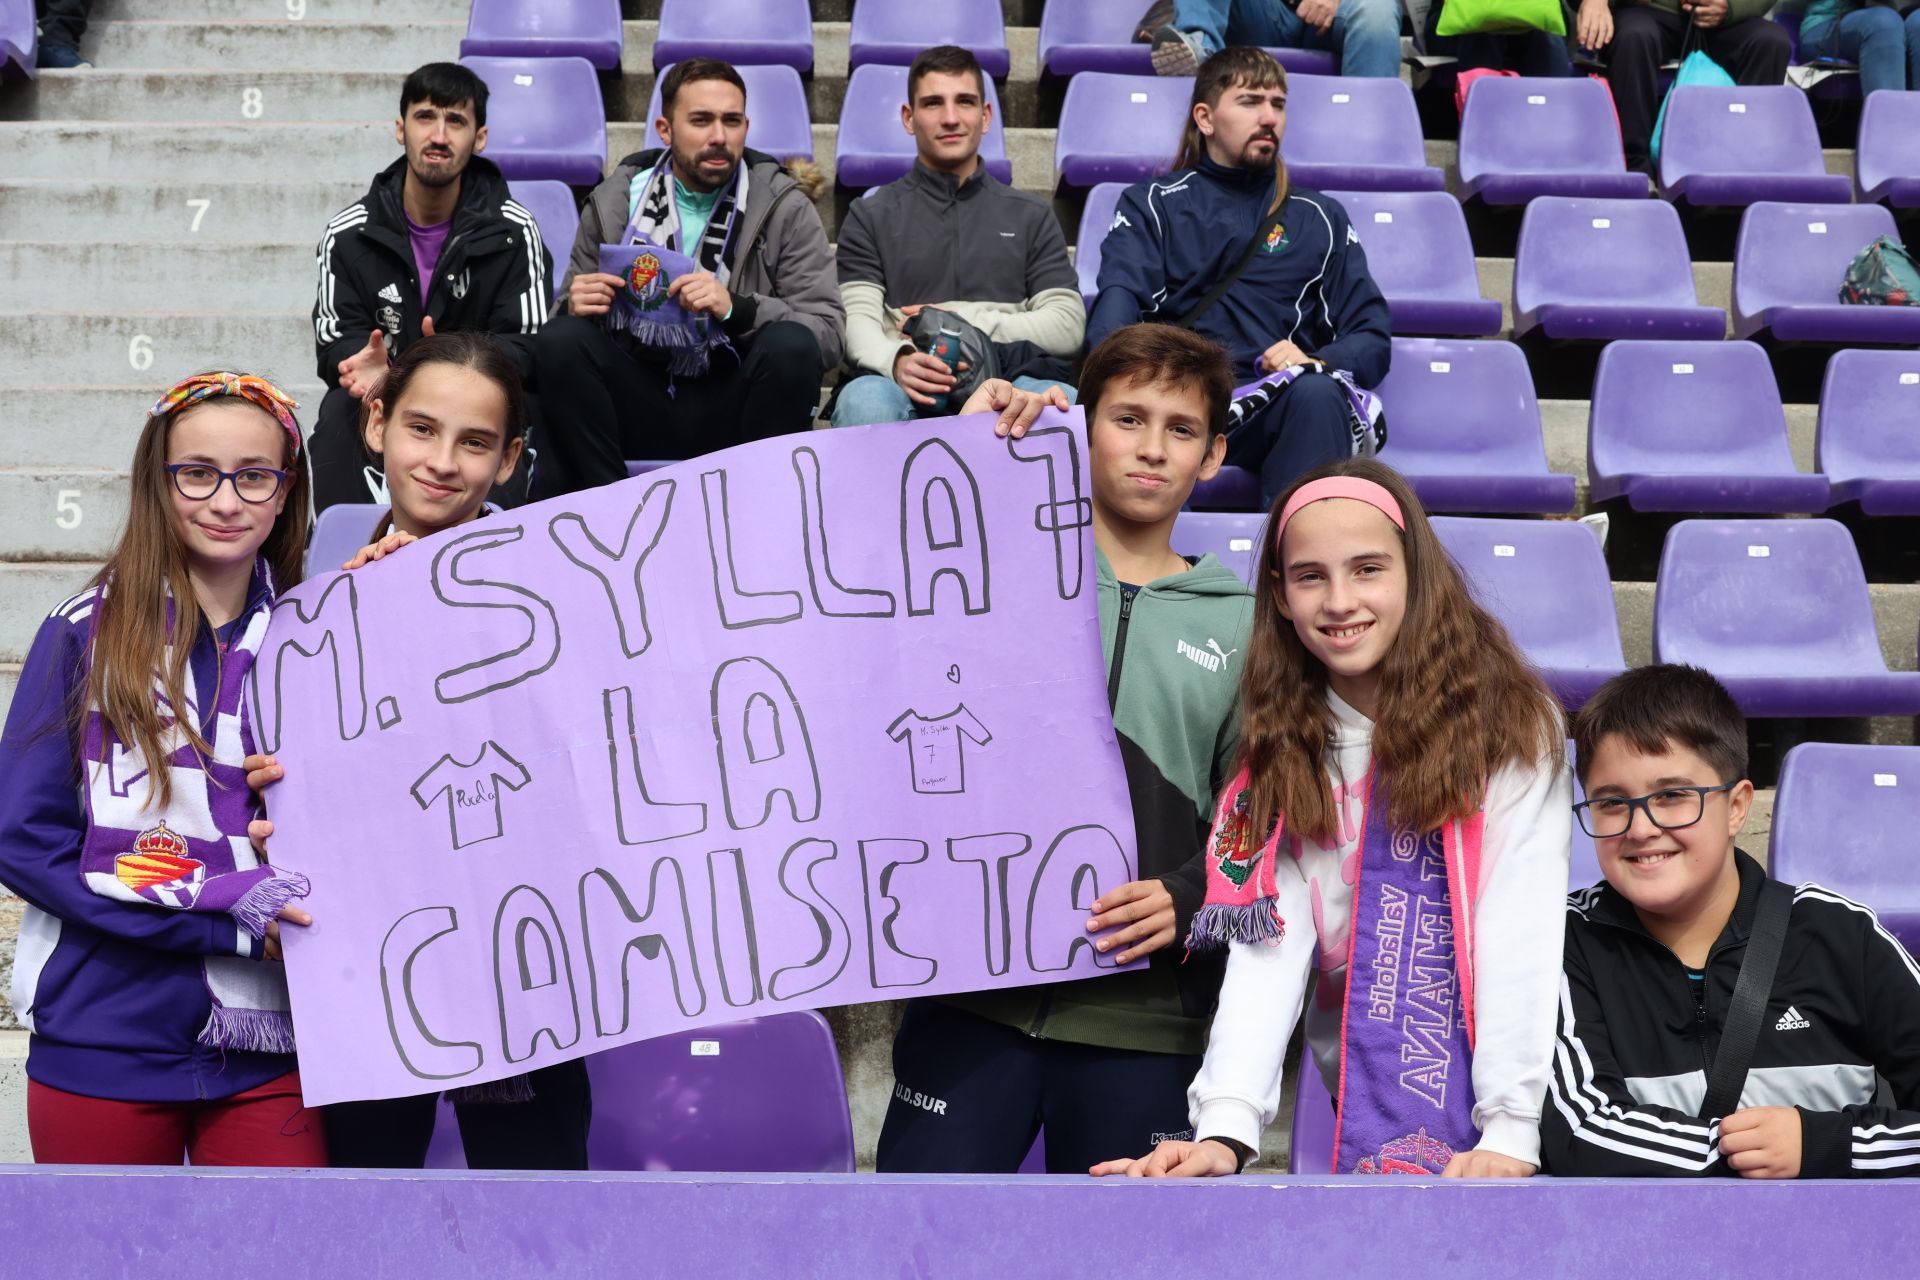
(1728, 1076)
(1225, 282)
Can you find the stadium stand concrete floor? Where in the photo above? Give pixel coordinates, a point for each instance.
(158, 215)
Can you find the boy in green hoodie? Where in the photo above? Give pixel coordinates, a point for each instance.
(1104, 1063)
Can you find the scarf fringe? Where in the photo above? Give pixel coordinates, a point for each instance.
(687, 347)
(512, 1089)
(1218, 923)
(260, 906)
(249, 1030)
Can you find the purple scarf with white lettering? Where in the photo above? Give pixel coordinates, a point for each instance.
(194, 855)
(1405, 1102)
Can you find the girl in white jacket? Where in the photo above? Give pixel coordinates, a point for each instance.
(1399, 753)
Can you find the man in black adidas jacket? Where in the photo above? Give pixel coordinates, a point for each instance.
(436, 245)
(1653, 955)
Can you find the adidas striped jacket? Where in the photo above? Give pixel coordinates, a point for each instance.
(1629, 1071)
(494, 274)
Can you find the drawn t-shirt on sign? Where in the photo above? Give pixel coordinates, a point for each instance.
(938, 754)
(472, 790)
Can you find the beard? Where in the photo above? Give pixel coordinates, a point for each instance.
(1253, 159)
(692, 175)
(444, 173)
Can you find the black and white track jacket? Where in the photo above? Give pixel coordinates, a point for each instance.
(1840, 1041)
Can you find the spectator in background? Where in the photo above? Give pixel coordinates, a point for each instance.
(1875, 35)
(951, 235)
(1639, 37)
(1365, 33)
(1302, 295)
(765, 275)
(436, 245)
(62, 23)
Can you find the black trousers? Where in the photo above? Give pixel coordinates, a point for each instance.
(1753, 52)
(548, 1132)
(969, 1095)
(602, 406)
(63, 21)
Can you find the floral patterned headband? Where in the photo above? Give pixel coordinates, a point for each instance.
(256, 390)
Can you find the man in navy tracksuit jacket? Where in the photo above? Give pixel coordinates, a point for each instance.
(1305, 297)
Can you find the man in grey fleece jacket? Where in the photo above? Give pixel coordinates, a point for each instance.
(952, 236)
(605, 396)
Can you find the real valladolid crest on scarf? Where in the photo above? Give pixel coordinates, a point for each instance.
(651, 256)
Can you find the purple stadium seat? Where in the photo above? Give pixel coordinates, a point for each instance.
(1693, 426)
(1779, 611)
(1583, 860)
(587, 29)
(545, 118)
(761, 1095)
(445, 1149)
(1787, 269)
(1311, 1151)
(1233, 536)
(1867, 445)
(638, 468)
(1886, 164)
(1526, 137)
(1464, 428)
(19, 40)
(1844, 818)
(1420, 255)
(743, 32)
(1355, 135)
(1036, 1159)
(1097, 35)
(558, 217)
(1096, 219)
(1596, 270)
(1733, 145)
(873, 148)
(1233, 489)
(777, 119)
(893, 32)
(1547, 583)
(1116, 128)
(338, 532)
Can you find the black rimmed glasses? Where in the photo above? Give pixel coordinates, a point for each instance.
(1669, 808)
(197, 481)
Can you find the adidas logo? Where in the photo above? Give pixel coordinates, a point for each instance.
(1791, 1021)
(391, 293)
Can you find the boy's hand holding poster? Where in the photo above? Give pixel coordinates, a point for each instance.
(812, 721)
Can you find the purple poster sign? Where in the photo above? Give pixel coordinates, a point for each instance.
(813, 721)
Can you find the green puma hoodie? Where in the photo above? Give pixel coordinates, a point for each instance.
(1173, 680)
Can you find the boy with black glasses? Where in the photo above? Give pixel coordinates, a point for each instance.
(1713, 1021)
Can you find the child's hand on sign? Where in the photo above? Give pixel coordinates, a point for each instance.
(292, 915)
(1017, 408)
(1762, 1142)
(1488, 1164)
(1207, 1159)
(1145, 908)
(379, 550)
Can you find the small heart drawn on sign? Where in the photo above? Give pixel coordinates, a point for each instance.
(953, 673)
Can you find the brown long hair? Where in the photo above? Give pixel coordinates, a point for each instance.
(1236, 66)
(1457, 698)
(129, 647)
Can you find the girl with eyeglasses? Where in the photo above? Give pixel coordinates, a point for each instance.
(147, 967)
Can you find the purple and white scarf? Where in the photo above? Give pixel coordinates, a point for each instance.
(1366, 415)
(194, 855)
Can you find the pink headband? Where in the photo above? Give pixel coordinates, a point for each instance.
(1373, 494)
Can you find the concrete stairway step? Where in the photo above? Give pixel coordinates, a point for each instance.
(66, 514)
(125, 154)
(311, 42)
(180, 276)
(151, 349)
(297, 11)
(170, 212)
(89, 427)
(28, 592)
(207, 96)
(9, 681)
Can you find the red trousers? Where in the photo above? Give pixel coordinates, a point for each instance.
(268, 1126)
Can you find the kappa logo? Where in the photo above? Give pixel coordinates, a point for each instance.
(1353, 237)
(1791, 1021)
(1213, 657)
(1119, 220)
(391, 293)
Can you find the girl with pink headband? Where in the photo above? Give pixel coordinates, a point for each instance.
(1400, 822)
(149, 962)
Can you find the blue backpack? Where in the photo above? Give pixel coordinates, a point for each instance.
(1695, 68)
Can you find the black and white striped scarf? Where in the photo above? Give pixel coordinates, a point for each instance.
(656, 219)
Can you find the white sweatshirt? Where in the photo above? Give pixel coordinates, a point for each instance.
(1518, 933)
